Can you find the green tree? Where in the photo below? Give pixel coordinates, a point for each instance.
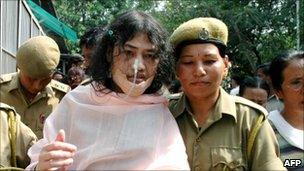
(258, 29)
(82, 15)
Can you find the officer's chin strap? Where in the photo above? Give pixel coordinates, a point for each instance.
(135, 66)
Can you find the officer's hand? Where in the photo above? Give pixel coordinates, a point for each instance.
(56, 155)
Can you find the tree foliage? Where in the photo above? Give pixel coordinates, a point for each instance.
(258, 29)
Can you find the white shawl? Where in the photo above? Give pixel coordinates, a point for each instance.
(112, 132)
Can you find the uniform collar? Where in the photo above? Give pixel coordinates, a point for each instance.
(180, 106)
(225, 104)
(14, 83)
(49, 91)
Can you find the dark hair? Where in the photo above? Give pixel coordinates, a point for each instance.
(175, 86)
(278, 65)
(75, 70)
(238, 79)
(253, 82)
(58, 72)
(90, 37)
(264, 67)
(123, 29)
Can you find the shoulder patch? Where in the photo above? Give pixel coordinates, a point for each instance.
(60, 86)
(251, 104)
(6, 78)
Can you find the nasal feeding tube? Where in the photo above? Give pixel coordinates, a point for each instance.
(135, 66)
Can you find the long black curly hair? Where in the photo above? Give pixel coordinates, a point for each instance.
(90, 37)
(121, 30)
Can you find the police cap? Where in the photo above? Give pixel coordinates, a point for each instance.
(38, 56)
(200, 30)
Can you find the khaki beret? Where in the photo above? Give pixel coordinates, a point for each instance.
(38, 56)
(203, 29)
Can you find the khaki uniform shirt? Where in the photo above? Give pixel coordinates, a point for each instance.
(24, 140)
(220, 143)
(35, 112)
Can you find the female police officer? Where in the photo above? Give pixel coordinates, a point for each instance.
(220, 131)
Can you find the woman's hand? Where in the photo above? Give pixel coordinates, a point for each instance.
(56, 155)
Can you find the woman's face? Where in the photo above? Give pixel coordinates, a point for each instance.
(292, 89)
(137, 51)
(201, 69)
(257, 95)
(76, 76)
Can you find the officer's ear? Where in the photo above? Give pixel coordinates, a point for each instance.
(227, 65)
(177, 70)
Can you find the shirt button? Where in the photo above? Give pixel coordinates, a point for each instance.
(198, 139)
(196, 168)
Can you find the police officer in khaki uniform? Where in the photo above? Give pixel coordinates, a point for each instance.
(221, 132)
(31, 91)
(16, 139)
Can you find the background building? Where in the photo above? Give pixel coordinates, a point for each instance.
(22, 19)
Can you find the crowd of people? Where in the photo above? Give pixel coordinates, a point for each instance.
(77, 67)
(140, 99)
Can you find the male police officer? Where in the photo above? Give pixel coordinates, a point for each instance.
(31, 91)
(16, 139)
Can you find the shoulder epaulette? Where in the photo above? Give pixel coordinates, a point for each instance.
(6, 77)
(251, 104)
(60, 86)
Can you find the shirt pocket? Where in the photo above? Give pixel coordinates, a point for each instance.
(227, 158)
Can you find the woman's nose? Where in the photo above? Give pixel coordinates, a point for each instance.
(138, 63)
(200, 70)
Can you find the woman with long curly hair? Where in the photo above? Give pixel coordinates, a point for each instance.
(119, 121)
